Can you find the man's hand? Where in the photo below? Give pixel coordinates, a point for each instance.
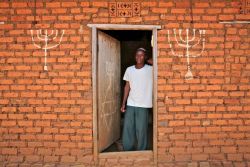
(150, 61)
(123, 108)
(125, 96)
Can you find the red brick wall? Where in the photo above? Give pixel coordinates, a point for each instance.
(46, 117)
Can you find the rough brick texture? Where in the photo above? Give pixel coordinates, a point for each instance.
(46, 117)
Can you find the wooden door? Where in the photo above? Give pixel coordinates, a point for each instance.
(108, 90)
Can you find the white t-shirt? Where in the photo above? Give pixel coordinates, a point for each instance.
(141, 86)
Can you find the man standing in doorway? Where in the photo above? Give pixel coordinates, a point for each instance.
(138, 95)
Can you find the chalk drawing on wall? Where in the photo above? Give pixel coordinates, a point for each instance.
(81, 29)
(47, 39)
(188, 43)
(109, 103)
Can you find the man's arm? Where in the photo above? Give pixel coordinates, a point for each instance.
(150, 61)
(125, 96)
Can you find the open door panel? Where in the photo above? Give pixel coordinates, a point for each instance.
(108, 90)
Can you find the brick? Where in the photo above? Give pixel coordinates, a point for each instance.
(10, 95)
(151, 18)
(89, 10)
(118, 20)
(9, 151)
(14, 158)
(100, 4)
(25, 123)
(51, 158)
(32, 158)
(53, 4)
(202, 4)
(67, 131)
(192, 164)
(159, 10)
(4, 4)
(28, 94)
(214, 11)
(226, 17)
(26, 151)
(69, 4)
(192, 123)
(194, 150)
(178, 11)
(15, 116)
(59, 81)
(204, 94)
(23, 11)
(166, 4)
(200, 157)
(49, 116)
(5, 123)
(61, 151)
(61, 137)
(183, 101)
(9, 109)
(176, 123)
(33, 130)
(59, 11)
(218, 4)
(85, 4)
(177, 150)
(191, 108)
(19, 4)
(66, 117)
(148, 4)
(235, 157)
(44, 151)
(197, 129)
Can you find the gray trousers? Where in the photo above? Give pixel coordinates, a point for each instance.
(135, 128)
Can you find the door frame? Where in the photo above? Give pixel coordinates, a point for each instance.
(95, 28)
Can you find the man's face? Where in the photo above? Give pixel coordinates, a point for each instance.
(140, 57)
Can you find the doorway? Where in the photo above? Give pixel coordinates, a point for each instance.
(113, 49)
(128, 42)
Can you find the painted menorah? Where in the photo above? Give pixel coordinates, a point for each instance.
(46, 39)
(188, 43)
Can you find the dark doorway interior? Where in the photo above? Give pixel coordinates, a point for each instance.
(130, 41)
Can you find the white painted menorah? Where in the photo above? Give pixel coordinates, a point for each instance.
(46, 38)
(188, 43)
